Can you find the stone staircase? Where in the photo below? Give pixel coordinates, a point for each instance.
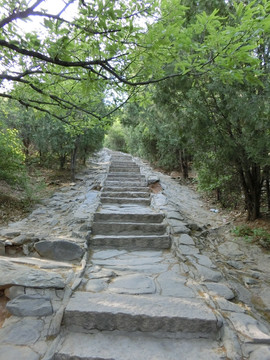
(126, 308)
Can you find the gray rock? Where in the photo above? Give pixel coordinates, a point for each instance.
(218, 289)
(22, 275)
(188, 250)
(9, 352)
(9, 233)
(236, 264)
(180, 229)
(226, 305)
(194, 227)
(208, 274)
(132, 284)
(172, 284)
(14, 291)
(30, 305)
(251, 329)
(107, 254)
(96, 285)
(174, 215)
(24, 332)
(230, 249)
(152, 179)
(205, 261)
(59, 250)
(262, 353)
(185, 240)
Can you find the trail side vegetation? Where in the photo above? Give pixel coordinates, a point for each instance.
(184, 84)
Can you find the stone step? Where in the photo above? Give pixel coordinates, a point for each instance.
(127, 228)
(127, 174)
(124, 177)
(125, 183)
(134, 346)
(138, 194)
(125, 200)
(126, 188)
(129, 217)
(129, 242)
(152, 313)
(124, 169)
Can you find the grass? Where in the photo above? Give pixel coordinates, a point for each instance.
(253, 235)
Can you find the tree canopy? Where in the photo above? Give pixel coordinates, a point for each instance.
(71, 62)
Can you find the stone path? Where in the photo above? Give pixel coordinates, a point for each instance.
(119, 276)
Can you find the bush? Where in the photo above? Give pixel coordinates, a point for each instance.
(115, 138)
(12, 167)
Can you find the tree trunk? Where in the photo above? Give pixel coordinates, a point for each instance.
(62, 161)
(74, 158)
(252, 186)
(183, 163)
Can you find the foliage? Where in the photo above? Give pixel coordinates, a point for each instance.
(115, 137)
(12, 158)
(255, 235)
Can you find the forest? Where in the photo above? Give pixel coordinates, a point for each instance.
(183, 84)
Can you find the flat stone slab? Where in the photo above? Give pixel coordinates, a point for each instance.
(40, 263)
(105, 346)
(218, 289)
(148, 313)
(251, 329)
(22, 275)
(172, 284)
(9, 352)
(132, 284)
(24, 332)
(59, 250)
(207, 274)
(30, 305)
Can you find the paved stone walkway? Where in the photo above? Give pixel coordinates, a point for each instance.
(127, 283)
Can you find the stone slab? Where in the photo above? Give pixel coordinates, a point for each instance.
(40, 263)
(172, 284)
(30, 305)
(24, 332)
(22, 275)
(59, 250)
(219, 289)
(108, 346)
(188, 250)
(10, 352)
(132, 284)
(139, 313)
(262, 353)
(251, 329)
(96, 285)
(207, 274)
(185, 239)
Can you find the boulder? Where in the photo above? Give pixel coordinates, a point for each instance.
(22, 275)
(59, 250)
(30, 305)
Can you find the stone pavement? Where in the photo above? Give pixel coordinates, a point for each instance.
(120, 276)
